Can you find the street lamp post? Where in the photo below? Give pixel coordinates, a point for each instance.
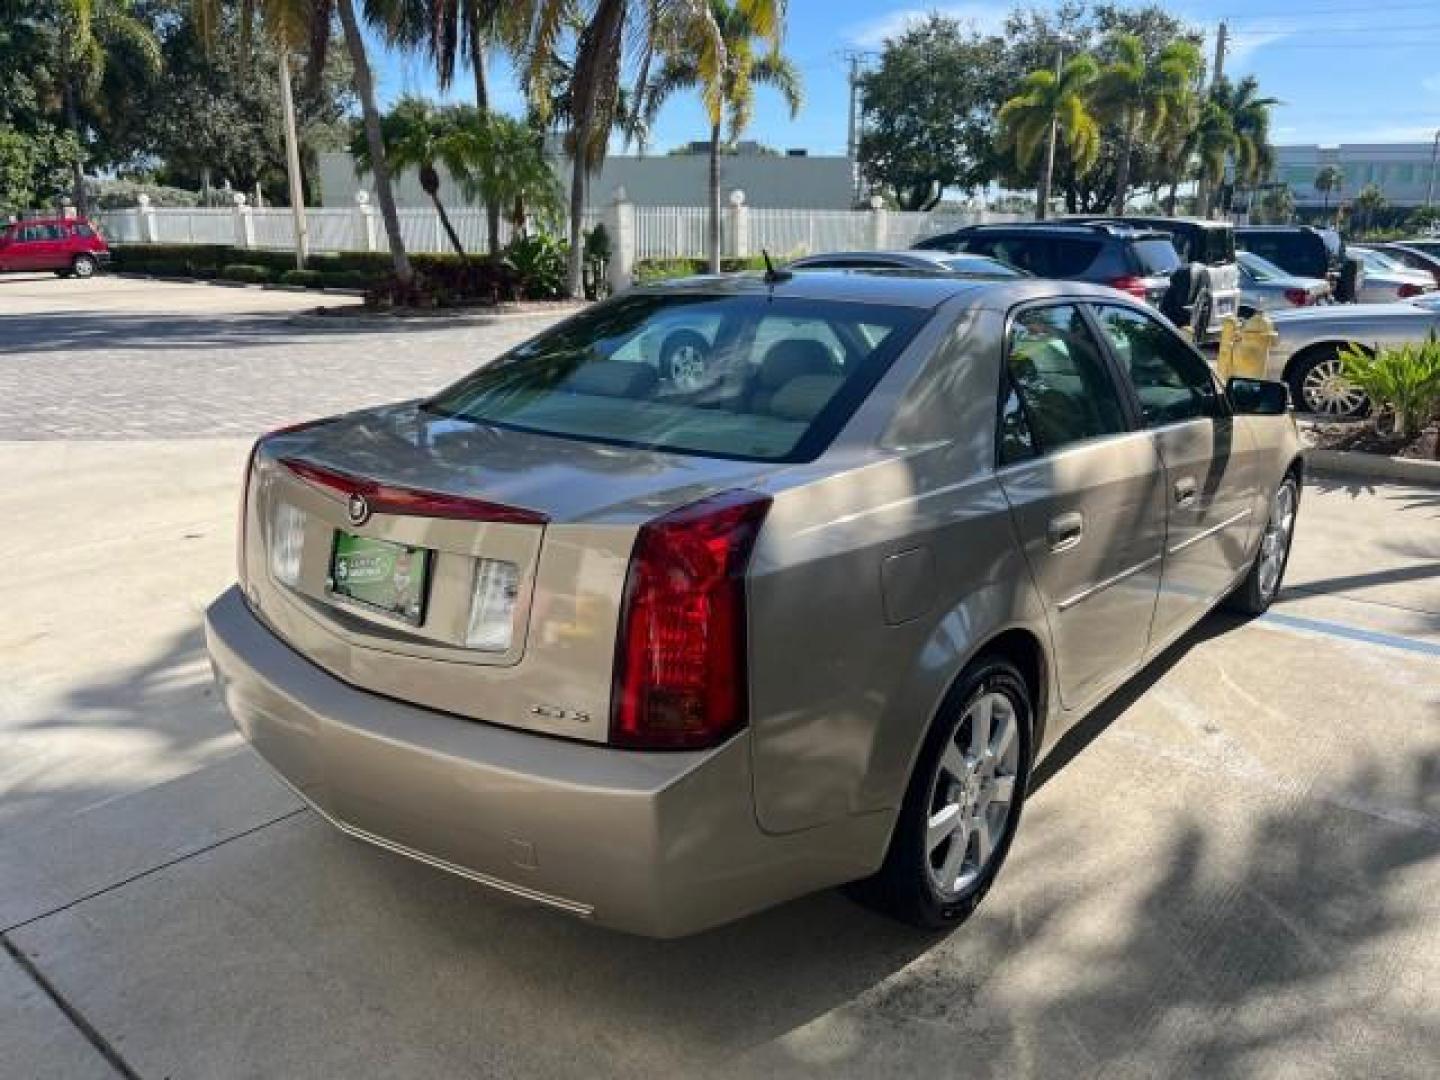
(1434, 159)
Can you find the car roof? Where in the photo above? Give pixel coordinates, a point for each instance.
(1151, 221)
(1100, 230)
(51, 221)
(924, 255)
(897, 287)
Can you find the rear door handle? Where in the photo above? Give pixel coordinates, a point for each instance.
(1184, 492)
(1064, 531)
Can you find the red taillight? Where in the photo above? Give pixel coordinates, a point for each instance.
(390, 499)
(1408, 290)
(289, 429)
(680, 679)
(1133, 285)
(1299, 297)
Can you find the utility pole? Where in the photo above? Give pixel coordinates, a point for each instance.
(852, 136)
(1202, 189)
(1434, 160)
(292, 163)
(1042, 199)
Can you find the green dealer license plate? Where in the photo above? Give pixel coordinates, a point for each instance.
(381, 575)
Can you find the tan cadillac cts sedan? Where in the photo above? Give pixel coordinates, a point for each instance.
(661, 644)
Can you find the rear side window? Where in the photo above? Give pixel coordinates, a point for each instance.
(84, 230)
(1217, 246)
(1060, 377)
(1043, 256)
(1156, 256)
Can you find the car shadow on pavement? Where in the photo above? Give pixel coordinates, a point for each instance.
(1227, 935)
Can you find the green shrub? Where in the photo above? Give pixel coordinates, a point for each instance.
(648, 270)
(345, 279)
(246, 272)
(1404, 378)
(311, 279)
(539, 261)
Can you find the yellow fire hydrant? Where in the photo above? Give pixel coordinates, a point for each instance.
(1245, 347)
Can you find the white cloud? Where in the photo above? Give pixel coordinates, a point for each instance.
(873, 33)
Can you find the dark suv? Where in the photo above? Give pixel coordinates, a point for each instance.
(1302, 250)
(1135, 260)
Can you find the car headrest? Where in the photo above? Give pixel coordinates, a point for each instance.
(612, 378)
(802, 398)
(793, 357)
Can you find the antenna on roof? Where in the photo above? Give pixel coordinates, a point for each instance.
(773, 276)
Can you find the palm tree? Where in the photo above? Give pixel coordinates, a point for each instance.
(418, 135)
(291, 22)
(511, 172)
(1053, 107)
(1249, 113)
(616, 31)
(1328, 179)
(1368, 203)
(91, 39)
(1211, 140)
(1139, 95)
(729, 92)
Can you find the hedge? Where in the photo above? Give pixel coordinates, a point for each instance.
(247, 272)
(647, 270)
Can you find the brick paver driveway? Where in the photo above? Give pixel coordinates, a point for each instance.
(120, 358)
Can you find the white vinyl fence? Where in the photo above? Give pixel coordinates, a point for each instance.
(655, 232)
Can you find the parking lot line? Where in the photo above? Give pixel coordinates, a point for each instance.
(1352, 633)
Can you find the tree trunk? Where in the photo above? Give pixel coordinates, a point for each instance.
(77, 180)
(448, 227)
(1122, 170)
(365, 91)
(575, 262)
(492, 227)
(713, 225)
(477, 65)
(1042, 199)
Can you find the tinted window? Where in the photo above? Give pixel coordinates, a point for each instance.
(84, 230)
(1299, 253)
(774, 379)
(1156, 256)
(1171, 380)
(1056, 366)
(1217, 246)
(1043, 256)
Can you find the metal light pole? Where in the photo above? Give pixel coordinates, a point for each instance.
(292, 164)
(1434, 159)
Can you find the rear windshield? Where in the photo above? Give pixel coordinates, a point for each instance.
(752, 377)
(1156, 256)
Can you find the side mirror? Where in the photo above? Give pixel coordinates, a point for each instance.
(1258, 397)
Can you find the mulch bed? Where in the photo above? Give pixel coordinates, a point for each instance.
(1364, 439)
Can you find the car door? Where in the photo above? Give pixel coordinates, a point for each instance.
(1209, 459)
(1086, 493)
(21, 252)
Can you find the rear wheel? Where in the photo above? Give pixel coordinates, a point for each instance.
(963, 802)
(1260, 587)
(1318, 385)
(83, 266)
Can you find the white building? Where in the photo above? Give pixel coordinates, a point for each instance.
(1404, 172)
(795, 181)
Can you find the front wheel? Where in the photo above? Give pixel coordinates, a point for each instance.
(1318, 385)
(962, 804)
(83, 266)
(1254, 595)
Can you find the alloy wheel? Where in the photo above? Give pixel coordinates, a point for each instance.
(972, 796)
(1275, 543)
(1326, 390)
(687, 367)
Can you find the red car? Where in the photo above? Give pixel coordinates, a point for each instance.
(66, 246)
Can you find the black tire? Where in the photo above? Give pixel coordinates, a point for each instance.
(1245, 313)
(904, 887)
(1301, 372)
(679, 347)
(83, 266)
(62, 273)
(1255, 594)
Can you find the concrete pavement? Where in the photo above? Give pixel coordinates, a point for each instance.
(1230, 870)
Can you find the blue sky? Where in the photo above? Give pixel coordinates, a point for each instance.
(1346, 70)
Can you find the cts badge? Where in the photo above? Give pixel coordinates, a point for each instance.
(358, 509)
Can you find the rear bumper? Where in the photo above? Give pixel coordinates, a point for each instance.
(655, 844)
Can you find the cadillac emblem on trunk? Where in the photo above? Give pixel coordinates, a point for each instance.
(358, 508)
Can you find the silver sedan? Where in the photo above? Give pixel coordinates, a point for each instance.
(1386, 278)
(1306, 352)
(661, 655)
(937, 261)
(1266, 287)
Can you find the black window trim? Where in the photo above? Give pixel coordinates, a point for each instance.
(1117, 368)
